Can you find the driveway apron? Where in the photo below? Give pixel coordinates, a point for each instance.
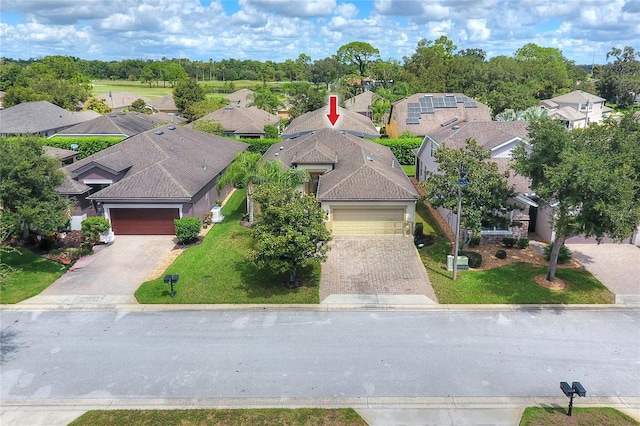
(381, 266)
(113, 272)
(617, 266)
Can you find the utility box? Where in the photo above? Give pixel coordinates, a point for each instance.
(463, 263)
(217, 216)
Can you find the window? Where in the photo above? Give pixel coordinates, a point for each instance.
(496, 223)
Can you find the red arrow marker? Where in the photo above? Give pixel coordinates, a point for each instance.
(333, 110)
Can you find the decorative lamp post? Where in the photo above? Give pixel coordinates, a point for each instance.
(463, 181)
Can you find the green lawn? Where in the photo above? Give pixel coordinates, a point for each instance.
(143, 89)
(219, 271)
(508, 284)
(409, 169)
(554, 416)
(257, 417)
(32, 274)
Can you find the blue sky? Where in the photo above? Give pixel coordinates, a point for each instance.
(282, 29)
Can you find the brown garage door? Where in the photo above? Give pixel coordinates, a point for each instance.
(143, 221)
(368, 221)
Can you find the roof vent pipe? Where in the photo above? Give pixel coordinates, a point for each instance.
(204, 163)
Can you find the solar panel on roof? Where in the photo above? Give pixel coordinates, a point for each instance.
(438, 102)
(412, 120)
(449, 102)
(461, 98)
(470, 104)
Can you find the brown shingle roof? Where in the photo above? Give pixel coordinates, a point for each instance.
(164, 166)
(241, 120)
(349, 122)
(361, 102)
(240, 97)
(432, 122)
(488, 134)
(121, 99)
(37, 117)
(363, 170)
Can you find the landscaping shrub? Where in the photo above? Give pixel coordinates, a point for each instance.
(86, 145)
(509, 242)
(259, 145)
(501, 254)
(72, 239)
(187, 229)
(523, 243)
(419, 231)
(475, 258)
(474, 241)
(402, 148)
(93, 226)
(564, 255)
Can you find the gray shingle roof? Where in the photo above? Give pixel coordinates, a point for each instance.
(37, 117)
(241, 120)
(349, 121)
(164, 103)
(361, 102)
(60, 153)
(363, 170)
(488, 134)
(240, 97)
(121, 99)
(167, 166)
(116, 124)
(432, 122)
(577, 97)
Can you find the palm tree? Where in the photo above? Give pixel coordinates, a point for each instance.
(247, 171)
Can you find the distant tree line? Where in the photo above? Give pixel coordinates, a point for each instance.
(514, 82)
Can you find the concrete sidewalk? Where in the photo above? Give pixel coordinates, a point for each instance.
(376, 411)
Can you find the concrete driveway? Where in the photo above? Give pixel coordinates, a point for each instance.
(111, 275)
(375, 269)
(616, 265)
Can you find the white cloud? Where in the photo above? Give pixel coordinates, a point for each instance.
(477, 29)
(293, 8)
(346, 10)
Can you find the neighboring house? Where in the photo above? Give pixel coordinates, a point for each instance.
(119, 101)
(169, 117)
(240, 98)
(577, 109)
(65, 156)
(349, 122)
(426, 113)
(498, 137)
(164, 104)
(241, 122)
(361, 103)
(146, 181)
(39, 118)
(360, 184)
(124, 124)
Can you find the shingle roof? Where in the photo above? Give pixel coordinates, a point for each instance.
(173, 165)
(60, 153)
(577, 97)
(240, 97)
(169, 118)
(361, 102)
(241, 120)
(568, 113)
(37, 117)
(363, 170)
(488, 134)
(349, 122)
(434, 120)
(164, 103)
(521, 184)
(121, 99)
(117, 124)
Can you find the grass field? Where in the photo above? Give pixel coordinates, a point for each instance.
(143, 89)
(31, 274)
(596, 416)
(223, 417)
(219, 270)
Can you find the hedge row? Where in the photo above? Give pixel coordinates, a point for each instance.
(401, 148)
(86, 146)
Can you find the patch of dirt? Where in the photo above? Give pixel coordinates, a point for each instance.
(514, 255)
(557, 283)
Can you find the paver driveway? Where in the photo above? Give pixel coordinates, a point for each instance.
(616, 265)
(374, 265)
(112, 274)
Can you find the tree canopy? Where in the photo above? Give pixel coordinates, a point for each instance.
(28, 178)
(186, 93)
(358, 54)
(589, 177)
(485, 202)
(290, 232)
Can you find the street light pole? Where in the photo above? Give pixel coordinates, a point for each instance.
(461, 182)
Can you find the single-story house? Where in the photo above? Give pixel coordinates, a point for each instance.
(114, 124)
(426, 113)
(241, 122)
(498, 137)
(119, 101)
(39, 118)
(146, 181)
(577, 109)
(164, 104)
(359, 184)
(65, 156)
(348, 122)
(362, 103)
(240, 98)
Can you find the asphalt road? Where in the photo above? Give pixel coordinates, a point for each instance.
(186, 354)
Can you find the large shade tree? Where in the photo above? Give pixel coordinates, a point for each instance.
(485, 202)
(589, 177)
(28, 179)
(290, 233)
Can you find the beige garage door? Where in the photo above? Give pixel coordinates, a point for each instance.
(368, 221)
